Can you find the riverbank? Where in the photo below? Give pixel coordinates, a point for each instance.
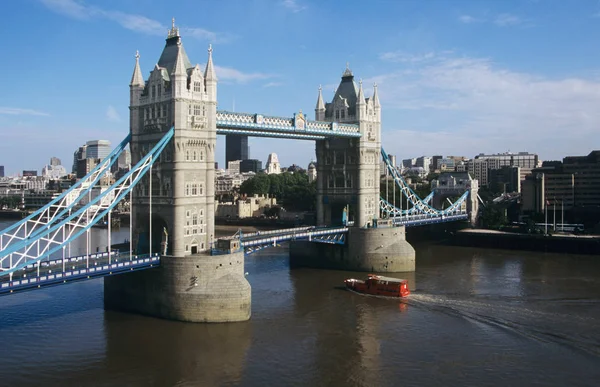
(557, 243)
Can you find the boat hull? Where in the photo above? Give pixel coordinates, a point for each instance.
(376, 287)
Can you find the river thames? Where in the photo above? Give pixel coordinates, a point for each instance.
(475, 317)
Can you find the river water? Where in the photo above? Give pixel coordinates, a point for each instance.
(476, 317)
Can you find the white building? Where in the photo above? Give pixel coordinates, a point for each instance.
(53, 172)
(312, 172)
(273, 166)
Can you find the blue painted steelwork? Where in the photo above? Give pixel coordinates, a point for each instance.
(281, 127)
(421, 220)
(90, 179)
(413, 198)
(121, 264)
(260, 241)
(134, 175)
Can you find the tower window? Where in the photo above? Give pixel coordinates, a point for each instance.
(187, 155)
(343, 113)
(197, 86)
(196, 110)
(153, 91)
(337, 114)
(201, 156)
(194, 156)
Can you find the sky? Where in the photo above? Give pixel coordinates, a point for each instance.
(454, 77)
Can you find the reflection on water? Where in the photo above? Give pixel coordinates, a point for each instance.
(475, 317)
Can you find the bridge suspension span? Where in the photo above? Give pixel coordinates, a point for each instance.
(50, 229)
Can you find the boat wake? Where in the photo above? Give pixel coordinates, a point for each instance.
(576, 330)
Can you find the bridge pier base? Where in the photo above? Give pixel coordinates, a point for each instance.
(367, 249)
(195, 288)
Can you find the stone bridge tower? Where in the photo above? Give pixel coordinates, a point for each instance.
(181, 95)
(348, 169)
(190, 284)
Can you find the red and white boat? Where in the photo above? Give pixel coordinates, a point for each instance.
(378, 285)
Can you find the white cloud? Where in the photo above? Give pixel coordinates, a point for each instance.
(273, 84)
(138, 23)
(70, 8)
(21, 112)
(469, 105)
(112, 114)
(293, 5)
(506, 19)
(230, 74)
(501, 20)
(399, 56)
(468, 19)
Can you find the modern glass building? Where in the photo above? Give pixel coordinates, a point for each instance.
(236, 148)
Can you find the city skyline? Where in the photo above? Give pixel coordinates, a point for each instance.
(461, 78)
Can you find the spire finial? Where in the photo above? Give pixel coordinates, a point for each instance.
(209, 48)
(320, 88)
(375, 84)
(137, 55)
(347, 65)
(173, 23)
(360, 81)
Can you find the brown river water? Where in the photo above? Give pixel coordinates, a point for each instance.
(476, 317)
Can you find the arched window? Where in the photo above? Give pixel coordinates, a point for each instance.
(194, 156)
(187, 155)
(201, 155)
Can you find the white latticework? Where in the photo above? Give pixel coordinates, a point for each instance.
(73, 220)
(419, 206)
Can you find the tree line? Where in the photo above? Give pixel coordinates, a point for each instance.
(292, 190)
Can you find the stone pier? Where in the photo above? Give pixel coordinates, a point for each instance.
(381, 249)
(194, 288)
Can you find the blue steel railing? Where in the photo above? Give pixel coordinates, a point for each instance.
(59, 271)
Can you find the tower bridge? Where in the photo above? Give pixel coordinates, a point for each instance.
(175, 268)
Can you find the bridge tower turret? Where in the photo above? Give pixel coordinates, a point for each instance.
(173, 209)
(320, 109)
(136, 88)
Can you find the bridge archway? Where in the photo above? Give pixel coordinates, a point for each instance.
(160, 235)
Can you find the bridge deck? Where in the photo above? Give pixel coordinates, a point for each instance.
(59, 271)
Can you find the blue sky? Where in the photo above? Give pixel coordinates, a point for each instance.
(455, 77)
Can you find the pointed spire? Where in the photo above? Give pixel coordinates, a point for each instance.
(375, 97)
(209, 73)
(347, 72)
(179, 67)
(320, 103)
(361, 94)
(137, 79)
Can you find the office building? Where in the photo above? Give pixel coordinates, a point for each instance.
(1, 170)
(250, 165)
(29, 173)
(79, 154)
(236, 148)
(54, 161)
(97, 149)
